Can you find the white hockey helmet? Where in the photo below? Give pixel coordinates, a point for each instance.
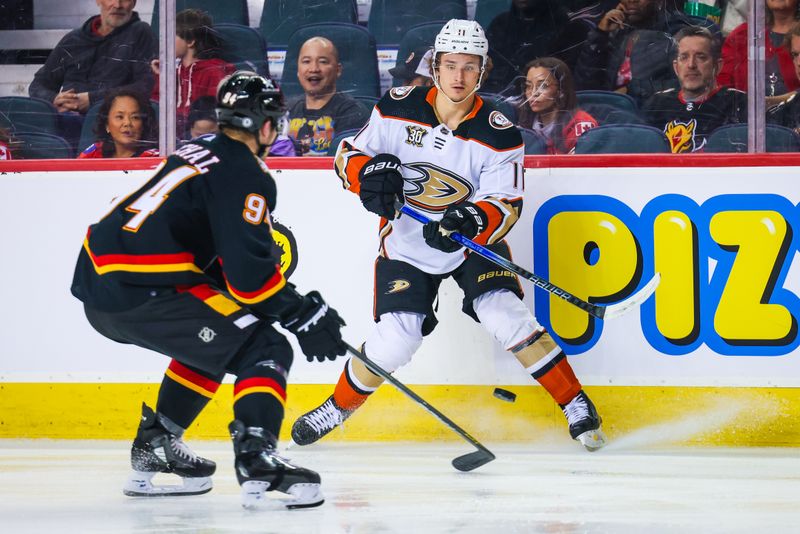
(462, 37)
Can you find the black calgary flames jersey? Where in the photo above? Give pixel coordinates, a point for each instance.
(687, 124)
(203, 218)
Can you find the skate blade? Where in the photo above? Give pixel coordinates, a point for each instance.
(592, 440)
(140, 484)
(297, 496)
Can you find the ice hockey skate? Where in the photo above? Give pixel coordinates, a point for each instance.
(584, 422)
(157, 450)
(317, 423)
(259, 469)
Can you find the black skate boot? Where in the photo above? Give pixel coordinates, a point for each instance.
(157, 450)
(259, 469)
(584, 423)
(312, 426)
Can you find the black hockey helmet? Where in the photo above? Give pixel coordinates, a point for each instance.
(246, 99)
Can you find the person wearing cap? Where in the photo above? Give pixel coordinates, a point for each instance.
(458, 159)
(416, 69)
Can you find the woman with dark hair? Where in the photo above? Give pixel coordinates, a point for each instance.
(781, 79)
(125, 127)
(199, 68)
(549, 105)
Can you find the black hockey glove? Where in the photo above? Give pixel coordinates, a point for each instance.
(465, 218)
(381, 185)
(317, 327)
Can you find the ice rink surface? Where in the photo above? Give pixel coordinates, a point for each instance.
(74, 486)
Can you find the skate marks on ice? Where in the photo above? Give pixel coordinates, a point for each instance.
(724, 415)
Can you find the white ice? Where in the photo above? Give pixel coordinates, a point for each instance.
(74, 486)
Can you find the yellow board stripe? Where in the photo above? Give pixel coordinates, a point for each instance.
(260, 389)
(191, 385)
(730, 417)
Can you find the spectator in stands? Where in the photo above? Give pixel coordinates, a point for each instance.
(550, 105)
(525, 32)
(5, 145)
(416, 70)
(203, 120)
(781, 79)
(787, 113)
(202, 117)
(321, 112)
(112, 49)
(631, 49)
(689, 115)
(125, 127)
(199, 69)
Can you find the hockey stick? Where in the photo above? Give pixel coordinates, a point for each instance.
(601, 312)
(468, 461)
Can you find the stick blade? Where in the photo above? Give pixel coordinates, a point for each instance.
(634, 301)
(473, 460)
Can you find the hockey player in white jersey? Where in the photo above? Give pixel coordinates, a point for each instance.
(448, 153)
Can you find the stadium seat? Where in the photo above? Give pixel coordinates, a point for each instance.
(608, 98)
(487, 10)
(40, 145)
(417, 36)
(26, 114)
(733, 138)
(229, 11)
(87, 130)
(280, 18)
(244, 47)
(535, 143)
(356, 52)
(389, 19)
(605, 114)
(623, 139)
(338, 139)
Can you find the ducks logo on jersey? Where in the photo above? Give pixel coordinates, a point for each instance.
(434, 188)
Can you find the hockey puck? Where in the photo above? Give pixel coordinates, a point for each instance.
(504, 394)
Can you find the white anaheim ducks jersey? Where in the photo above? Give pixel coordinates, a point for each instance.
(481, 162)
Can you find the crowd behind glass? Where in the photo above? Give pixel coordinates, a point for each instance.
(671, 75)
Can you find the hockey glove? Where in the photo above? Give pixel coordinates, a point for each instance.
(381, 185)
(465, 218)
(317, 327)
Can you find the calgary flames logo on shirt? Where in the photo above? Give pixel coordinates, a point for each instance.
(681, 136)
(435, 188)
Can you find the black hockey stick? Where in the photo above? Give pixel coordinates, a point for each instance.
(601, 312)
(468, 461)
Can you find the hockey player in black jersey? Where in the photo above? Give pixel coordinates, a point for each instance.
(185, 266)
(688, 115)
(454, 156)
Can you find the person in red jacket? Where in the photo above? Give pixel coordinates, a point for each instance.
(549, 105)
(199, 70)
(781, 79)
